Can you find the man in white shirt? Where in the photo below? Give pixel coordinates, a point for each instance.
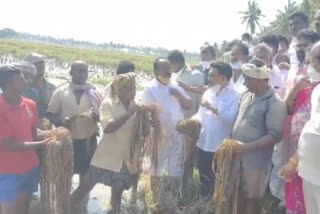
(188, 79)
(172, 100)
(217, 115)
(297, 22)
(239, 56)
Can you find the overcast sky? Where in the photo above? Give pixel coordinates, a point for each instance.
(182, 24)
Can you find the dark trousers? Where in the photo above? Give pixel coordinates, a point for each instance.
(204, 165)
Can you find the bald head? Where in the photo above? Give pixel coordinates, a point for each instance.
(315, 56)
(317, 21)
(79, 72)
(162, 69)
(263, 52)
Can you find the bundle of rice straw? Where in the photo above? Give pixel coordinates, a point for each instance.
(57, 172)
(143, 137)
(227, 178)
(84, 125)
(191, 129)
(45, 124)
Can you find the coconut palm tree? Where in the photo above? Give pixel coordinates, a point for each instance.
(282, 23)
(252, 16)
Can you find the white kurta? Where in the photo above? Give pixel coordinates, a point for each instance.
(309, 158)
(239, 85)
(215, 128)
(170, 155)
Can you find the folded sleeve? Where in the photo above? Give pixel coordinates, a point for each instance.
(55, 103)
(275, 119)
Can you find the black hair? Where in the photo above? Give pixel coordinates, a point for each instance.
(270, 40)
(210, 49)
(125, 67)
(284, 39)
(6, 75)
(310, 35)
(175, 57)
(300, 15)
(223, 69)
(257, 62)
(246, 36)
(243, 47)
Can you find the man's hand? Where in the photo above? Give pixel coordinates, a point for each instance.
(240, 148)
(287, 172)
(174, 92)
(95, 115)
(301, 83)
(182, 85)
(133, 108)
(206, 104)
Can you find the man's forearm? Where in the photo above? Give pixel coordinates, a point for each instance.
(185, 103)
(116, 124)
(266, 141)
(16, 146)
(196, 89)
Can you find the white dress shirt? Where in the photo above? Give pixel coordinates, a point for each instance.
(171, 110)
(309, 143)
(239, 86)
(215, 128)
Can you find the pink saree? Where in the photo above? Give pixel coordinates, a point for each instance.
(293, 128)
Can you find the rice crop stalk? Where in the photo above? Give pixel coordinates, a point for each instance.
(57, 172)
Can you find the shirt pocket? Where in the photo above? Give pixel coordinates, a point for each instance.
(256, 116)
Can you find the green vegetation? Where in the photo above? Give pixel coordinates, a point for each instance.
(63, 53)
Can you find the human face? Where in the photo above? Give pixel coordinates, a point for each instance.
(214, 77)
(296, 25)
(17, 84)
(317, 18)
(128, 92)
(164, 72)
(28, 77)
(206, 56)
(315, 58)
(283, 47)
(79, 74)
(41, 66)
(264, 55)
(301, 49)
(236, 55)
(250, 83)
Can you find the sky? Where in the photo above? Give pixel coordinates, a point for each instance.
(173, 24)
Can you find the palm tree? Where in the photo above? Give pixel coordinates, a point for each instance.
(252, 16)
(282, 23)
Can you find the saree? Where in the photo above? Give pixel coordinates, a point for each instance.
(293, 128)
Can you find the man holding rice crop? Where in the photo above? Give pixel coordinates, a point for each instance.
(172, 100)
(65, 108)
(191, 81)
(217, 115)
(259, 126)
(19, 165)
(111, 164)
(40, 85)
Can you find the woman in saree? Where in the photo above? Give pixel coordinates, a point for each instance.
(299, 106)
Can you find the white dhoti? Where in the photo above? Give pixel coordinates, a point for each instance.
(277, 186)
(311, 197)
(170, 157)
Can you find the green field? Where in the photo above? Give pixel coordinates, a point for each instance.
(64, 53)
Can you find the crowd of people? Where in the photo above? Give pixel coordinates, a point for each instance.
(263, 94)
